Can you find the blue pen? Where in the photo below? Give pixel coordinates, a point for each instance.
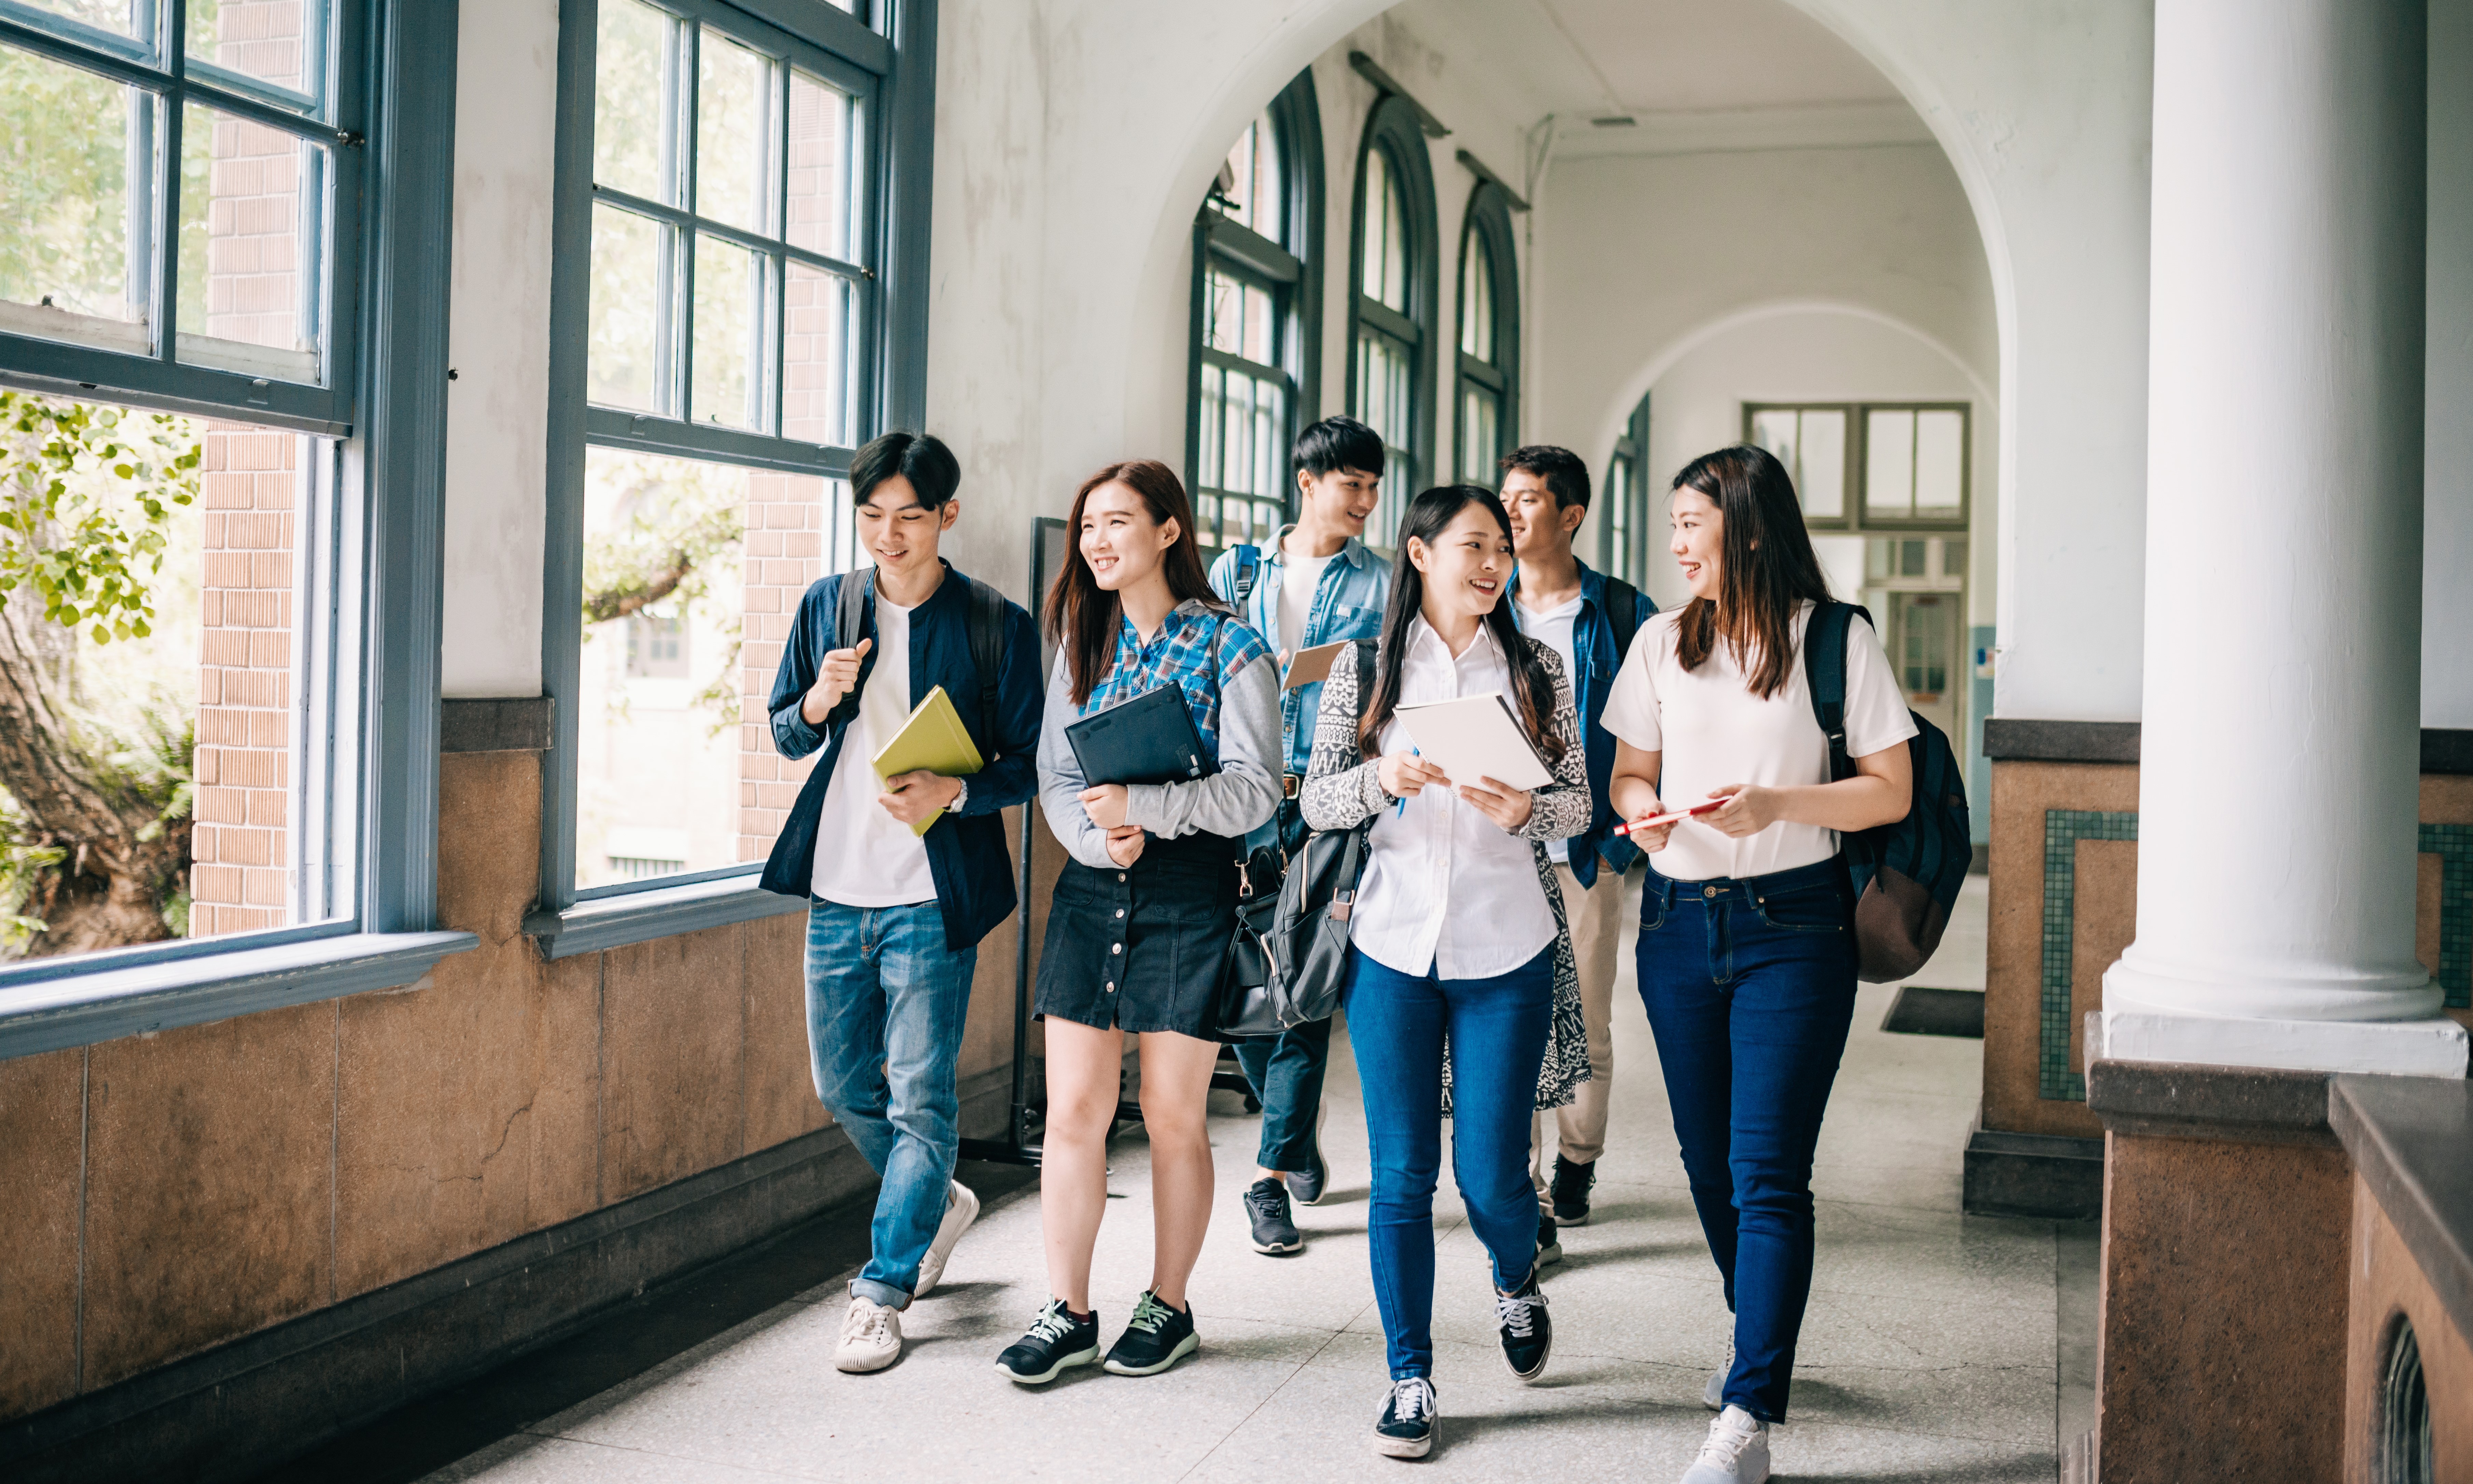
(1400, 805)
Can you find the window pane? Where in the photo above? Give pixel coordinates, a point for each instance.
(1940, 443)
(184, 804)
(272, 40)
(816, 357)
(627, 365)
(729, 335)
(74, 262)
(1248, 189)
(1480, 434)
(1477, 299)
(1889, 463)
(1377, 223)
(676, 769)
(1820, 478)
(1773, 428)
(733, 153)
(821, 116)
(252, 208)
(634, 121)
(1385, 384)
(122, 16)
(1395, 244)
(1223, 311)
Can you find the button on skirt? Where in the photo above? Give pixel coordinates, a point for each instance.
(1142, 948)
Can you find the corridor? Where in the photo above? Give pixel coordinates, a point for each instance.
(1929, 1352)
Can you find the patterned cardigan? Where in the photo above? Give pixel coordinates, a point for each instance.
(1341, 790)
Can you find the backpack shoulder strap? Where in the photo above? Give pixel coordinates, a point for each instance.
(1824, 669)
(1249, 570)
(1622, 610)
(849, 614)
(987, 631)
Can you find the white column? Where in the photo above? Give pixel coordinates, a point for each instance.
(2280, 754)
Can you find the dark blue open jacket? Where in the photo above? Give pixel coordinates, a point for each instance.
(1592, 647)
(965, 849)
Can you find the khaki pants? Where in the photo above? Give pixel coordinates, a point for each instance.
(1595, 917)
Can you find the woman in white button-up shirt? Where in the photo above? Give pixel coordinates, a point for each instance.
(1461, 982)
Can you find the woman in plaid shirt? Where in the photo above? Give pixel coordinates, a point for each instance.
(1140, 924)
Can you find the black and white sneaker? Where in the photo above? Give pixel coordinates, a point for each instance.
(1266, 1209)
(1310, 1186)
(1570, 1190)
(1156, 1338)
(1405, 1430)
(1057, 1341)
(1527, 1335)
(1550, 1246)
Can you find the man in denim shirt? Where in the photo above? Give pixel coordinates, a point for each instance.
(903, 876)
(1317, 585)
(1589, 619)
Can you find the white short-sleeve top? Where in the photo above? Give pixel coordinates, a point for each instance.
(1712, 730)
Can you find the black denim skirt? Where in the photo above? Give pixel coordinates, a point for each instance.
(1142, 948)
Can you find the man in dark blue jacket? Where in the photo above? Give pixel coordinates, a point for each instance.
(1589, 619)
(904, 875)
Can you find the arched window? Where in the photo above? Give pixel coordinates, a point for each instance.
(1489, 352)
(1623, 503)
(1256, 242)
(1392, 371)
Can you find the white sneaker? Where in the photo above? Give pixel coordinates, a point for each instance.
(1737, 1452)
(871, 1336)
(961, 1208)
(1714, 1394)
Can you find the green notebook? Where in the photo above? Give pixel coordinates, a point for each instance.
(933, 738)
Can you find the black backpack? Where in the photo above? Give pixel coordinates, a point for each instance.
(1906, 875)
(986, 623)
(1289, 956)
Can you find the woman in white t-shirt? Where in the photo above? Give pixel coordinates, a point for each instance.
(1747, 948)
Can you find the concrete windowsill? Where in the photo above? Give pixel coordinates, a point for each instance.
(2407, 1137)
(51, 1005)
(657, 912)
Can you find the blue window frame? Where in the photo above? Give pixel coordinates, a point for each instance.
(738, 300)
(142, 291)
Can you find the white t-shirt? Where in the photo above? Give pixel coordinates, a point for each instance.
(864, 857)
(1552, 627)
(1712, 730)
(1446, 887)
(1297, 587)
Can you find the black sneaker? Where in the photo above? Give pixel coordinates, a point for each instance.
(1405, 1430)
(1570, 1191)
(1550, 1247)
(1057, 1342)
(1266, 1207)
(1156, 1338)
(1310, 1186)
(1527, 1335)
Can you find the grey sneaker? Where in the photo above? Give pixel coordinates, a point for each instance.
(1266, 1211)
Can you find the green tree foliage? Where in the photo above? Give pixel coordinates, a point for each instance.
(64, 150)
(86, 493)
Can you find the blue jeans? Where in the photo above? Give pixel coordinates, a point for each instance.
(1749, 986)
(887, 1000)
(1497, 1028)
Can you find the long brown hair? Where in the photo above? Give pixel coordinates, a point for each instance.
(1531, 688)
(1766, 566)
(1080, 614)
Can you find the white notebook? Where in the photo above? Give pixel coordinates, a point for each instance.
(1474, 738)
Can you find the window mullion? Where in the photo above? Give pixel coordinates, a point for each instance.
(777, 360)
(172, 37)
(691, 85)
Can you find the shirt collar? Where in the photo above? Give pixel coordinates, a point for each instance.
(1352, 550)
(1422, 635)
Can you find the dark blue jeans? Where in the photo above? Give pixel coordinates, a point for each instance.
(1749, 986)
(887, 1000)
(1497, 1028)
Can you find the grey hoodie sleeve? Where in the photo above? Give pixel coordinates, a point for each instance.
(1060, 776)
(1246, 792)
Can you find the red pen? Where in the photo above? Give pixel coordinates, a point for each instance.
(1656, 819)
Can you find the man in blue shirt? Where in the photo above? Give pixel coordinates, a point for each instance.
(1317, 585)
(903, 876)
(1589, 618)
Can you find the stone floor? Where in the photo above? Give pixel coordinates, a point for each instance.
(1931, 1351)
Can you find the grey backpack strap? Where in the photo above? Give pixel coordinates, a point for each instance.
(987, 627)
(850, 613)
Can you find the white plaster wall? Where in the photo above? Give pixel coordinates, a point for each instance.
(2447, 532)
(506, 95)
(1806, 356)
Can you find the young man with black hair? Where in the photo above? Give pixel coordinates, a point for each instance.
(1589, 618)
(1317, 585)
(903, 876)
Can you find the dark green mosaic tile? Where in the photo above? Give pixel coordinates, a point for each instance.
(2453, 844)
(2063, 829)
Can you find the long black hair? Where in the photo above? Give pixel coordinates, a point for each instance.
(1766, 567)
(1082, 615)
(1532, 689)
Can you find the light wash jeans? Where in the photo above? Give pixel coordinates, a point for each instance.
(887, 1000)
